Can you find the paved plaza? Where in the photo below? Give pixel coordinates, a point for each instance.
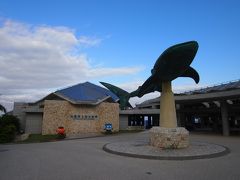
(85, 159)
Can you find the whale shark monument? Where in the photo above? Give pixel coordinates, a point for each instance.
(174, 62)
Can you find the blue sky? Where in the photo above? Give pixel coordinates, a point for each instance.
(117, 41)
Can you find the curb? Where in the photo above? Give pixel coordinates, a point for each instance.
(176, 158)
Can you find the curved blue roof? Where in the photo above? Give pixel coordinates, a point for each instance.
(86, 93)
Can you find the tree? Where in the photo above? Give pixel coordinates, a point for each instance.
(3, 109)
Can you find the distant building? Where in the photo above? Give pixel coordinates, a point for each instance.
(83, 108)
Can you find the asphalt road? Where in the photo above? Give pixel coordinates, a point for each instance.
(85, 159)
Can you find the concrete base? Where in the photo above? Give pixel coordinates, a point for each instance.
(169, 138)
(21, 137)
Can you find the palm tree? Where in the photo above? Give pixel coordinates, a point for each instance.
(2, 108)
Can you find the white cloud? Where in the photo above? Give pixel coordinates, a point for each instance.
(112, 71)
(187, 87)
(131, 86)
(136, 100)
(89, 41)
(37, 58)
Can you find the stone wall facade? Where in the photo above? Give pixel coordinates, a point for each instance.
(79, 119)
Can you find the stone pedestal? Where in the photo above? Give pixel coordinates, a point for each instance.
(169, 138)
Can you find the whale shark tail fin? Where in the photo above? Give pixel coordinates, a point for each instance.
(192, 73)
(120, 93)
(134, 93)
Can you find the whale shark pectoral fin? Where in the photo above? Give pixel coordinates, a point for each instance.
(192, 73)
(158, 87)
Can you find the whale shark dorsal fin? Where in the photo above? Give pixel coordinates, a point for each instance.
(192, 73)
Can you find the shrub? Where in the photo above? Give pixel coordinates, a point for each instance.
(7, 133)
(9, 126)
(6, 120)
(61, 136)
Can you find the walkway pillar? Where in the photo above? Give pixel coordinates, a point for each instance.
(225, 123)
(179, 115)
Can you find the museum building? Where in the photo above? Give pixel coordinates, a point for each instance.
(82, 108)
(86, 108)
